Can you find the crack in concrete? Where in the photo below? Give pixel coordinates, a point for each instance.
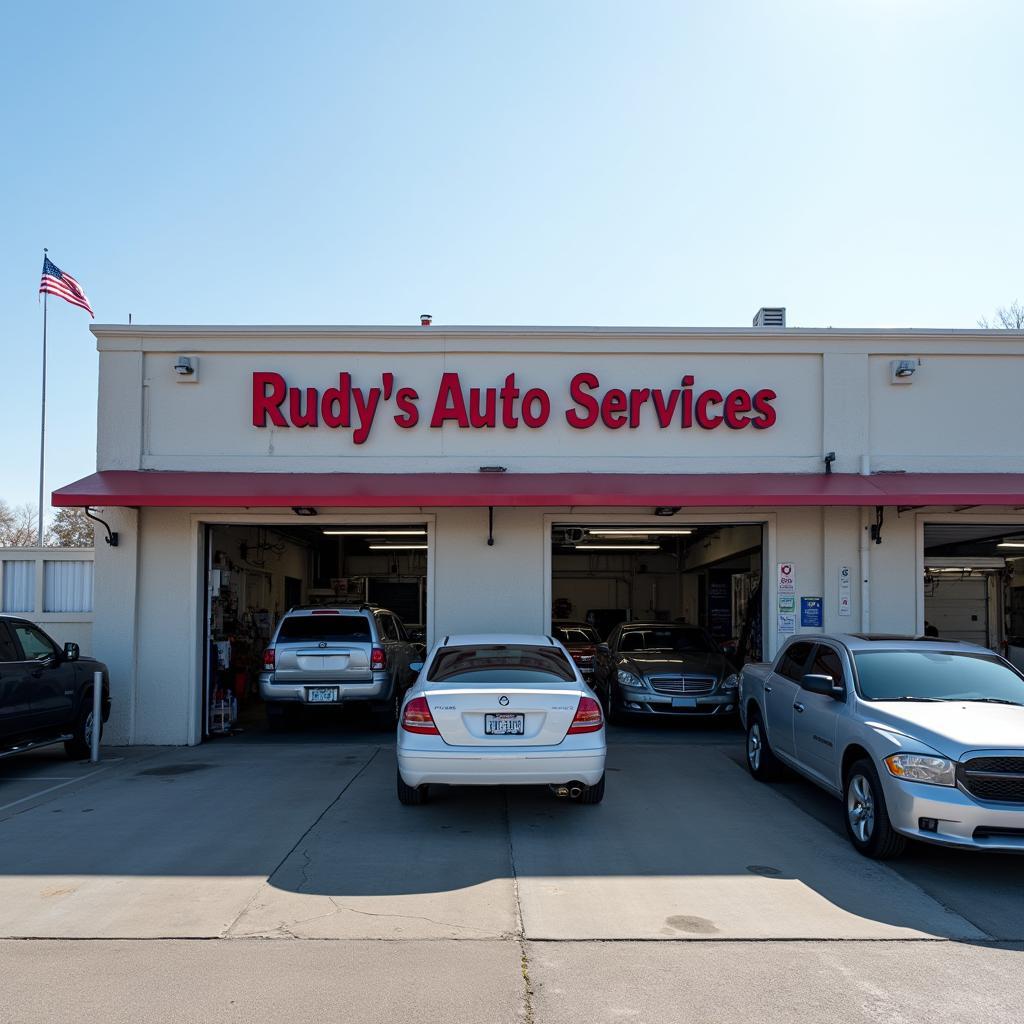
(524, 957)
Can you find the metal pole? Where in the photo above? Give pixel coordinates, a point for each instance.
(42, 422)
(97, 716)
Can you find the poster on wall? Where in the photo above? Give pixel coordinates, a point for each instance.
(786, 578)
(787, 623)
(844, 589)
(811, 611)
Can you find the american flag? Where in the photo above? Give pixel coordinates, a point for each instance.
(56, 282)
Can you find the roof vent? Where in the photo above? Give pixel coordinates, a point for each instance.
(770, 316)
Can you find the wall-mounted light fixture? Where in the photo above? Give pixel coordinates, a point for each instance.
(186, 369)
(901, 371)
(304, 510)
(667, 510)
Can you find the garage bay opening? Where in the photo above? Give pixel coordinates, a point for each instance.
(254, 575)
(684, 600)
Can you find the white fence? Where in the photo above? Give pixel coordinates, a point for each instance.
(52, 587)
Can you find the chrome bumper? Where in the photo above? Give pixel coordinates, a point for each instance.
(646, 702)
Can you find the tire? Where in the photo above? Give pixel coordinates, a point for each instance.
(385, 715)
(592, 794)
(278, 717)
(410, 796)
(867, 818)
(79, 748)
(761, 760)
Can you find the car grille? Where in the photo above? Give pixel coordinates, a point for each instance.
(677, 686)
(993, 778)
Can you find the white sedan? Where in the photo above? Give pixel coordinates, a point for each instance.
(490, 710)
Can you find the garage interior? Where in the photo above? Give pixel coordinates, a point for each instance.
(704, 575)
(974, 585)
(254, 574)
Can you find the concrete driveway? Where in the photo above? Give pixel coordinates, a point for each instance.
(303, 839)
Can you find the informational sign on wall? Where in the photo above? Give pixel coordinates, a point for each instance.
(786, 578)
(787, 623)
(844, 590)
(811, 612)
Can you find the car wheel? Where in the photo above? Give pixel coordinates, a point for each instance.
(410, 796)
(386, 715)
(79, 747)
(593, 794)
(761, 759)
(867, 818)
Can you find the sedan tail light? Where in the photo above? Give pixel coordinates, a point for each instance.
(268, 658)
(588, 717)
(416, 717)
(377, 658)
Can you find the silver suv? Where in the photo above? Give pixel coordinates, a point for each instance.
(327, 656)
(921, 738)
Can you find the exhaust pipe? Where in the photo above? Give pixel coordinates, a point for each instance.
(575, 791)
(560, 791)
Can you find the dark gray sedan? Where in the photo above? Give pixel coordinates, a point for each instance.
(657, 668)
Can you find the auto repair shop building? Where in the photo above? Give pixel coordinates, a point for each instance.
(758, 481)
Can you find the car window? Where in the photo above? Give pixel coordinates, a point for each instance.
(499, 663)
(400, 628)
(386, 626)
(35, 644)
(937, 675)
(576, 635)
(327, 627)
(8, 648)
(682, 639)
(827, 663)
(793, 662)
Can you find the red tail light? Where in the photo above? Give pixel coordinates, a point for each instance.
(588, 717)
(417, 717)
(268, 658)
(376, 658)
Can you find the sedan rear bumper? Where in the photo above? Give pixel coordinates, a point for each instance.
(511, 767)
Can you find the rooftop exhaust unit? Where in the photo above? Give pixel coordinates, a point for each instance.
(770, 316)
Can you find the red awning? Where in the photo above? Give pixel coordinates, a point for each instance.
(164, 489)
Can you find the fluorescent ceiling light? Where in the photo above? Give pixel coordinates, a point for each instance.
(1011, 544)
(639, 532)
(618, 547)
(398, 547)
(375, 533)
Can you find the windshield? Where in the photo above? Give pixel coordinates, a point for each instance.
(936, 675)
(576, 635)
(325, 627)
(494, 663)
(678, 639)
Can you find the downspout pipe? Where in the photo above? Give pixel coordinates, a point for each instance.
(865, 555)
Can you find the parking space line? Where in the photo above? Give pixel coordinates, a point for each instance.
(50, 789)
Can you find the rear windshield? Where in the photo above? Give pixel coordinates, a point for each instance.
(576, 635)
(500, 664)
(669, 638)
(327, 628)
(936, 675)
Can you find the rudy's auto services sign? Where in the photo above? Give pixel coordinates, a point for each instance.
(348, 404)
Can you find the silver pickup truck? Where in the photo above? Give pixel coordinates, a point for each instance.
(921, 738)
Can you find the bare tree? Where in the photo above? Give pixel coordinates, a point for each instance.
(18, 526)
(70, 529)
(1010, 318)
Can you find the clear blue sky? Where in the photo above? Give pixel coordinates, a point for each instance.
(571, 162)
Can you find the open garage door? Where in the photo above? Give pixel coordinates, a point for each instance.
(974, 585)
(255, 573)
(706, 578)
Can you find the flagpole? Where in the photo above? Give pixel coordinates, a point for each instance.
(42, 421)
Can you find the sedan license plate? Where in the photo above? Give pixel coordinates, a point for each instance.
(322, 695)
(684, 702)
(504, 725)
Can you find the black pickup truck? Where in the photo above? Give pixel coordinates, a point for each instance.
(45, 692)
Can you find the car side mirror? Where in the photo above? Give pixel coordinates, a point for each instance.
(72, 652)
(416, 666)
(823, 684)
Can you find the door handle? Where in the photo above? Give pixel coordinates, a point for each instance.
(767, 689)
(799, 708)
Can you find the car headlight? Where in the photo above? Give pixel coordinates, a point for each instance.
(937, 771)
(630, 681)
(730, 683)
